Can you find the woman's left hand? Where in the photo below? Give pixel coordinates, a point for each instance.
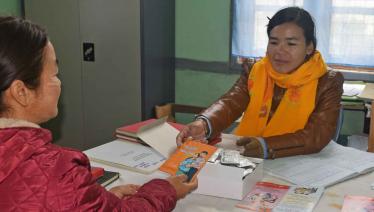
(124, 191)
(252, 147)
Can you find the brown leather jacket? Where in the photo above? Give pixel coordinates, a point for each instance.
(318, 131)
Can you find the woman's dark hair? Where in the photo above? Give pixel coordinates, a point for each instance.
(22, 46)
(298, 16)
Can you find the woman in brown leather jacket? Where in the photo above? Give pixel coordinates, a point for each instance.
(290, 98)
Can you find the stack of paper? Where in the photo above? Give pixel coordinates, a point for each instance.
(353, 89)
(335, 163)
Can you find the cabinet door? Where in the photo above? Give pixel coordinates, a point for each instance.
(60, 20)
(112, 83)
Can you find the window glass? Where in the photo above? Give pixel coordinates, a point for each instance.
(345, 28)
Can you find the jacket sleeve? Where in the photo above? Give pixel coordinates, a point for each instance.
(77, 191)
(229, 107)
(321, 125)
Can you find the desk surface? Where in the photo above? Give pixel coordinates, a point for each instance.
(331, 200)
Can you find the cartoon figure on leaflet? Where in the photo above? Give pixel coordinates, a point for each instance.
(264, 197)
(192, 164)
(305, 191)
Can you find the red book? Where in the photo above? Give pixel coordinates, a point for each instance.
(97, 172)
(132, 129)
(102, 176)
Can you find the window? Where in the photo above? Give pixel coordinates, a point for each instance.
(345, 28)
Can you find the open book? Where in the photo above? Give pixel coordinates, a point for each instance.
(130, 132)
(335, 163)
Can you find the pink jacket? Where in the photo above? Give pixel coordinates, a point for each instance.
(36, 175)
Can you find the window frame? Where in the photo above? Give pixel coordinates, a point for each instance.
(363, 73)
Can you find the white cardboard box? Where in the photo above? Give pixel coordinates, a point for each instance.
(226, 181)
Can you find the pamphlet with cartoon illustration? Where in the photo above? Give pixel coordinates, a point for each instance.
(300, 199)
(188, 159)
(263, 197)
(358, 203)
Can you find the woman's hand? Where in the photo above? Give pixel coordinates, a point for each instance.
(124, 190)
(182, 187)
(252, 147)
(195, 131)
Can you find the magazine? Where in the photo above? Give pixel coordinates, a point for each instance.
(300, 199)
(358, 204)
(263, 197)
(188, 159)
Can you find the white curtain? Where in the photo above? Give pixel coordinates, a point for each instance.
(345, 28)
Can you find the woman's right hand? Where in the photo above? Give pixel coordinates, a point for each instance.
(195, 130)
(182, 187)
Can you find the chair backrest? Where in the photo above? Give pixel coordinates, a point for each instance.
(170, 109)
(339, 124)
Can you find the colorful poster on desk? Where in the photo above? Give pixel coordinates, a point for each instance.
(263, 197)
(358, 204)
(300, 199)
(188, 159)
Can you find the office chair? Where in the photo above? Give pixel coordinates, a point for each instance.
(170, 109)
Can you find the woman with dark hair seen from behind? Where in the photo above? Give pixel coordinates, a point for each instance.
(290, 99)
(36, 175)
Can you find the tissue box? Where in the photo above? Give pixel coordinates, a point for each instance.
(219, 180)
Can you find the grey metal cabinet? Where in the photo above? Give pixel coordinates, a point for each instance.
(116, 61)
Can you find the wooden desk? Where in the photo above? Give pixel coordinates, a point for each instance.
(368, 94)
(331, 200)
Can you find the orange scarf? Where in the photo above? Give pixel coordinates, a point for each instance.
(296, 105)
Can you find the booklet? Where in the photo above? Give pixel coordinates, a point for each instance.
(188, 159)
(127, 155)
(358, 204)
(300, 199)
(264, 196)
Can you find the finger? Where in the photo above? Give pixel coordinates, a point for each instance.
(251, 146)
(204, 141)
(193, 184)
(181, 178)
(243, 141)
(126, 188)
(135, 187)
(181, 136)
(251, 153)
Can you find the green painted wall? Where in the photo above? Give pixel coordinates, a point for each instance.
(10, 7)
(202, 32)
(202, 29)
